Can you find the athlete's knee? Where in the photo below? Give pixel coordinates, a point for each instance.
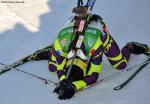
(52, 67)
(119, 64)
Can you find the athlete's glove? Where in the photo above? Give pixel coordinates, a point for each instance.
(67, 90)
(58, 87)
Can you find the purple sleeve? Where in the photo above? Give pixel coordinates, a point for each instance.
(96, 60)
(59, 60)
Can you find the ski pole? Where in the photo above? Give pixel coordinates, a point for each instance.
(33, 75)
(79, 3)
(71, 65)
(131, 77)
(90, 3)
(116, 74)
(127, 69)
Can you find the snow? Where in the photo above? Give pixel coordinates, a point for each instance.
(26, 27)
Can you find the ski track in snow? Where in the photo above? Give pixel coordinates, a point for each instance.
(32, 25)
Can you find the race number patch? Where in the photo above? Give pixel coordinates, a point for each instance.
(63, 42)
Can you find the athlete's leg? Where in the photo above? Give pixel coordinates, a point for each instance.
(118, 58)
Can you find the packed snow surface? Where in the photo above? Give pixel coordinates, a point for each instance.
(34, 24)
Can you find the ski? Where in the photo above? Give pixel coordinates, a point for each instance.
(116, 74)
(15, 64)
(90, 3)
(19, 62)
(132, 76)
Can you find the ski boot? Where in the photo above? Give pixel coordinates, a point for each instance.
(138, 48)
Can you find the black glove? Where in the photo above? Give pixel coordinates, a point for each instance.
(58, 87)
(67, 90)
